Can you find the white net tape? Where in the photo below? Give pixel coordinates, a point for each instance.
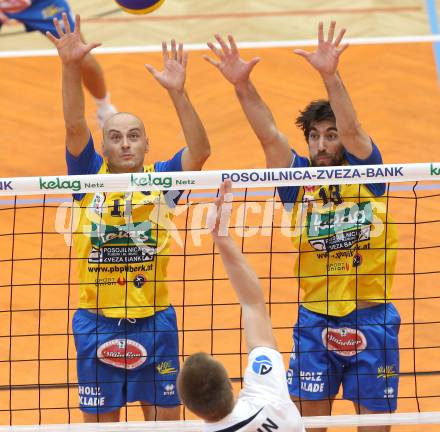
(211, 179)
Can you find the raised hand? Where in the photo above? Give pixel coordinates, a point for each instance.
(219, 215)
(173, 75)
(229, 63)
(326, 57)
(69, 44)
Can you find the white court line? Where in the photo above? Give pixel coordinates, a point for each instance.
(202, 47)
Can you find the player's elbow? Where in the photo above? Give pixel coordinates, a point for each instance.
(272, 139)
(201, 156)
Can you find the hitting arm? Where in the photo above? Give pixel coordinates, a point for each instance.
(257, 323)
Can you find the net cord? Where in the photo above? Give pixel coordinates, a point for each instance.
(310, 176)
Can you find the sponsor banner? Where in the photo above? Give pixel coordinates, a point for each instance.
(211, 179)
(6, 185)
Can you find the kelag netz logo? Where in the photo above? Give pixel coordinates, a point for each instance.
(435, 171)
(57, 183)
(149, 180)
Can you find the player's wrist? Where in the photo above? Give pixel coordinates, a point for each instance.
(243, 87)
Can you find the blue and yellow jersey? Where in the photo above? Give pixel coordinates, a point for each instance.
(346, 239)
(122, 242)
(40, 14)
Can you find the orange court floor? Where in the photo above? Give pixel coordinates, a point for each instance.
(396, 93)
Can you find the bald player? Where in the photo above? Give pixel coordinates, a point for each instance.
(125, 329)
(264, 403)
(38, 15)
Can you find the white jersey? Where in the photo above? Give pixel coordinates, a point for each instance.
(264, 404)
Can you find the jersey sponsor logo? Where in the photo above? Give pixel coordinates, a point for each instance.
(121, 269)
(344, 341)
(169, 390)
(104, 282)
(262, 365)
(340, 229)
(139, 280)
(121, 255)
(387, 371)
(388, 393)
(90, 396)
(338, 267)
(357, 260)
(123, 244)
(6, 185)
(289, 376)
(122, 353)
(166, 368)
(51, 11)
(98, 203)
(311, 381)
(99, 282)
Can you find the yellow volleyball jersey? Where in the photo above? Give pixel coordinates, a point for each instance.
(348, 247)
(123, 251)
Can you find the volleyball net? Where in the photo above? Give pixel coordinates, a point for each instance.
(40, 288)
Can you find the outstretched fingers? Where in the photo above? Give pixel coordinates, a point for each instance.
(52, 38)
(340, 36)
(180, 53)
(77, 24)
(223, 44)
(92, 45)
(66, 23)
(57, 25)
(301, 53)
(165, 53)
(234, 49)
(342, 48)
(212, 61)
(321, 32)
(215, 50)
(151, 69)
(331, 32)
(173, 49)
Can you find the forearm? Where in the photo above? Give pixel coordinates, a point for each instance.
(257, 112)
(193, 130)
(353, 137)
(341, 104)
(73, 98)
(240, 273)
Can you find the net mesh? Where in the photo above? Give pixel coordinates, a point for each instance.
(39, 289)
